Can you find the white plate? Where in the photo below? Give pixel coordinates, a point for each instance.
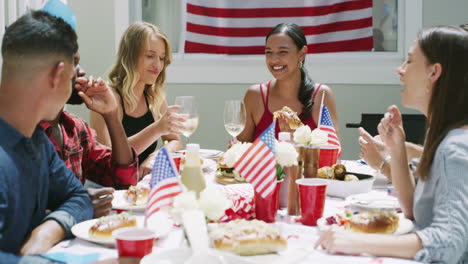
(119, 203)
(206, 153)
(180, 255)
(404, 225)
(373, 201)
(162, 226)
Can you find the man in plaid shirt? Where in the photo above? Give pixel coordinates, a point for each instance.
(76, 144)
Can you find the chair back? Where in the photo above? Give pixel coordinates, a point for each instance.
(414, 125)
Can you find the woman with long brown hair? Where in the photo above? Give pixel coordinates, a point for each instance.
(435, 79)
(137, 78)
(285, 52)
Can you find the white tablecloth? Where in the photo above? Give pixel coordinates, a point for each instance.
(301, 239)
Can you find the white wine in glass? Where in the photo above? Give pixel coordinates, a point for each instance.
(188, 106)
(234, 117)
(190, 126)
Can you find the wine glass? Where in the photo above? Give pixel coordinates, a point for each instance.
(234, 117)
(188, 106)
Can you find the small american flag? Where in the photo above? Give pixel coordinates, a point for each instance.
(258, 164)
(326, 124)
(164, 183)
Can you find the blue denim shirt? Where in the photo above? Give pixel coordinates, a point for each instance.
(33, 178)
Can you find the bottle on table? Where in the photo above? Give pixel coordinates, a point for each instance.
(192, 176)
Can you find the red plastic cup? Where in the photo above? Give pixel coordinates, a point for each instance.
(266, 208)
(135, 242)
(177, 163)
(328, 156)
(312, 192)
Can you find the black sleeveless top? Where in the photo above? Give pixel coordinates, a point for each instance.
(133, 125)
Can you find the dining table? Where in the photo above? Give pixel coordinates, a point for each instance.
(300, 238)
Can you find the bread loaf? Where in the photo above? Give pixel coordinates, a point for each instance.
(245, 238)
(384, 222)
(105, 225)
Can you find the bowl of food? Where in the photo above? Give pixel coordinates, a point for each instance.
(342, 183)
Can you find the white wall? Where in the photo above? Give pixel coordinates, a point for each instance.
(95, 29)
(96, 38)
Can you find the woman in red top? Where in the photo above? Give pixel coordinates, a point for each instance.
(285, 51)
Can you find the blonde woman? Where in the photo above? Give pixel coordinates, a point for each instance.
(137, 78)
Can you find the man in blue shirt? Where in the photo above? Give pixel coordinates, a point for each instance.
(35, 83)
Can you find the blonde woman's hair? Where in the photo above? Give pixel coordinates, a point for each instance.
(124, 76)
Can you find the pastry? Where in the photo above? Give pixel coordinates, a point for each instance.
(105, 225)
(246, 238)
(384, 222)
(340, 171)
(293, 120)
(136, 195)
(351, 177)
(326, 173)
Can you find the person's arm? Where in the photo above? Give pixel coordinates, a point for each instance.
(172, 141)
(169, 123)
(43, 237)
(373, 152)
(445, 240)
(339, 241)
(99, 97)
(68, 200)
(253, 104)
(413, 150)
(392, 134)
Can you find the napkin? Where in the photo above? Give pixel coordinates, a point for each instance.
(71, 258)
(243, 202)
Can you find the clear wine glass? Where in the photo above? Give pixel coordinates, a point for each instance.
(188, 106)
(234, 117)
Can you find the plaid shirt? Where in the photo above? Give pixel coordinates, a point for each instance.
(89, 159)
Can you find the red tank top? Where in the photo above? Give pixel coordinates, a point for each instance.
(267, 116)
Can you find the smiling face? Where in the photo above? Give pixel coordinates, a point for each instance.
(282, 56)
(415, 75)
(151, 60)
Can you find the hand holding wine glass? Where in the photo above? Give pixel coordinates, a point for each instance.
(188, 106)
(234, 117)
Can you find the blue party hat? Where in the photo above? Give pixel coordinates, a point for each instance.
(58, 9)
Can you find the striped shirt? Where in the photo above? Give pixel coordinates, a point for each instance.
(441, 203)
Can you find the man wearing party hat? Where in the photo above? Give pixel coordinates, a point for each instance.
(37, 70)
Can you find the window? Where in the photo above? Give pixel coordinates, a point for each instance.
(392, 36)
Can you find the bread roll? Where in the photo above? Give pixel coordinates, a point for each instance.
(351, 177)
(340, 171)
(105, 225)
(136, 195)
(384, 222)
(293, 120)
(326, 173)
(246, 238)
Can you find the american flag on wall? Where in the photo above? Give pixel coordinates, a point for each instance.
(326, 125)
(240, 26)
(258, 163)
(164, 183)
